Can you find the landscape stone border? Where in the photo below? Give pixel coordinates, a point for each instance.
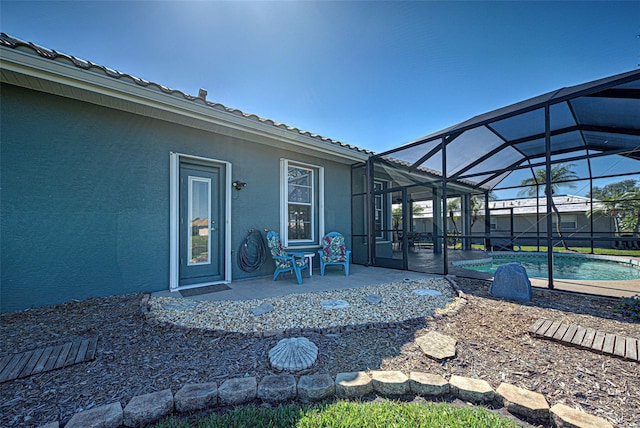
(275, 389)
(525, 404)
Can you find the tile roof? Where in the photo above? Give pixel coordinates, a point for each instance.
(18, 44)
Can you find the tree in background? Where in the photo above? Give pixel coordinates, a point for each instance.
(561, 176)
(621, 202)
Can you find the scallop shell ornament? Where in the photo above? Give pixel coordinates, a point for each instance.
(293, 354)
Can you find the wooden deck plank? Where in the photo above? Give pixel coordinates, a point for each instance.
(73, 353)
(552, 329)
(632, 349)
(545, 326)
(60, 362)
(91, 350)
(598, 340)
(571, 331)
(609, 342)
(5, 360)
(579, 336)
(620, 345)
(587, 342)
(82, 352)
(536, 326)
(15, 360)
(592, 339)
(17, 369)
(55, 353)
(43, 360)
(31, 364)
(561, 331)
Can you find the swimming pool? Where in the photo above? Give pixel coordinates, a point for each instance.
(565, 266)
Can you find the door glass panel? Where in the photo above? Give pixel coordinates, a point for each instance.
(199, 215)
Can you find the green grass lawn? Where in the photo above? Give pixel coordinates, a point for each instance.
(348, 414)
(583, 250)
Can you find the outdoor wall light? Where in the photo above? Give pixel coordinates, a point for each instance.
(239, 185)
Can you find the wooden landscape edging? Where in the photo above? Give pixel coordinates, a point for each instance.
(587, 338)
(45, 359)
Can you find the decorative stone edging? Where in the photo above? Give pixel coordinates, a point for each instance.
(149, 408)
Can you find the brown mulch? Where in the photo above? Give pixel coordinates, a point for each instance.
(135, 357)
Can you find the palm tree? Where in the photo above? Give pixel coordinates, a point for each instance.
(612, 206)
(561, 176)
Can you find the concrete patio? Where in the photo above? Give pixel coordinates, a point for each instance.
(334, 279)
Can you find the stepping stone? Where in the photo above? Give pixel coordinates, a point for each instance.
(262, 309)
(277, 388)
(293, 354)
(315, 387)
(437, 346)
(374, 299)
(334, 304)
(522, 402)
(107, 416)
(390, 382)
(237, 391)
(472, 390)
(565, 416)
(427, 292)
(428, 385)
(353, 384)
(148, 408)
(196, 396)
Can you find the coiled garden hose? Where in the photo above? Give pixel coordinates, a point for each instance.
(252, 252)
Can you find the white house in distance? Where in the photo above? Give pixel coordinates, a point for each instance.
(521, 218)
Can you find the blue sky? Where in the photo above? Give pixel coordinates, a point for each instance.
(372, 74)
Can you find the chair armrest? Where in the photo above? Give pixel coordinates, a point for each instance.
(290, 258)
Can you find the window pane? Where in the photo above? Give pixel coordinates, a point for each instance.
(299, 176)
(199, 210)
(299, 194)
(300, 185)
(300, 226)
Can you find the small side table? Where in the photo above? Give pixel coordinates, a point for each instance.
(309, 257)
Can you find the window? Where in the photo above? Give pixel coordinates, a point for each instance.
(379, 215)
(567, 221)
(302, 200)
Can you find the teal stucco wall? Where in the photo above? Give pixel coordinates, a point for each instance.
(84, 197)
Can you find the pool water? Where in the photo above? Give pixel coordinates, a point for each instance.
(566, 268)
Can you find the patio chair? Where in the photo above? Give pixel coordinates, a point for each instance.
(334, 252)
(285, 262)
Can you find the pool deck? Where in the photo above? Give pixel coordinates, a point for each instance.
(426, 261)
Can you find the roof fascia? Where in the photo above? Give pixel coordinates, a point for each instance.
(71, 76)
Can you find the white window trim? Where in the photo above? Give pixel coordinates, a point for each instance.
(174, 220)
(284, 203)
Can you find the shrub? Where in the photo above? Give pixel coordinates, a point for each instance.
(630, 307)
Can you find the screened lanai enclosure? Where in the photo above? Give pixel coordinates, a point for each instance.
(556, 173)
